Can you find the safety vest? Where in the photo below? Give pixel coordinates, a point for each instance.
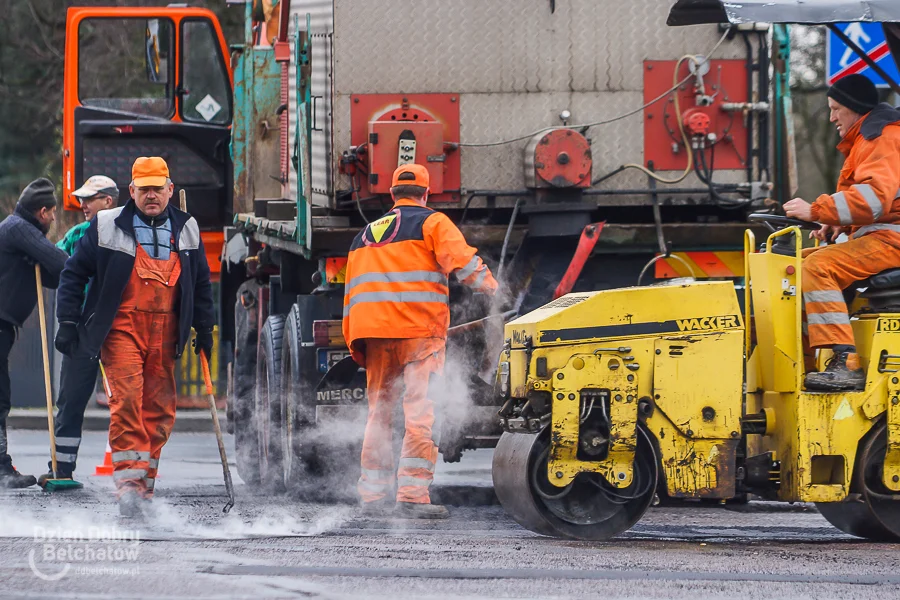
(397, 283)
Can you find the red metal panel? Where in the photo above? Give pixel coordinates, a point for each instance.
(726, 81)
(383, 153)
(411, 109)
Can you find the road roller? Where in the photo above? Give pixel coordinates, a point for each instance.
(693, 389)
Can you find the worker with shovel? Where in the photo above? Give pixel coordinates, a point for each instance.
(78, 374)
(23, 244)
(396, 317)
(150, 285)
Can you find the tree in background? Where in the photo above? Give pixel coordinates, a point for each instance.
(32, 45)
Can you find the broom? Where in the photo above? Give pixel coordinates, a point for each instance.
(55, 484)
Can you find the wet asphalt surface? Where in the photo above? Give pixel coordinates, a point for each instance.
(75, 545)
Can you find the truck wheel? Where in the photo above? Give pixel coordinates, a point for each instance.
(242, 400)
(297, 406)
(268, 403)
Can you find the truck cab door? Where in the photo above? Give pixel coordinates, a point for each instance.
(165, 90)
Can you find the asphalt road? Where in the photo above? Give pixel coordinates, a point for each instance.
(75, 545)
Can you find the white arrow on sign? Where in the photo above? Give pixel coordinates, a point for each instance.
(856, 33)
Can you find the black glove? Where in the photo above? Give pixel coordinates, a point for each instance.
(67, 338)
(203, 340)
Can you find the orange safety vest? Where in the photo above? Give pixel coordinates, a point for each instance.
(868, 191)
(397, 275)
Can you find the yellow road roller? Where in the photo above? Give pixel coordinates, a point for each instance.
(611, 396)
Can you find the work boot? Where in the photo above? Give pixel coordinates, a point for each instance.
(10, 478)
(377, 508)
(842, 374)
(131, 505)
(417, 510)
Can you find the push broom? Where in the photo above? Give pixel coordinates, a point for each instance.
(56, 484)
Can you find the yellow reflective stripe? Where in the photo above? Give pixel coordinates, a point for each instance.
(876, 227)
(870, 197)
(370, 297)
(469, 269)
(416, 463)
(843, 209)
(413, 482)
(832, 318)
(129, 455)
(397, 277)
(129, 474)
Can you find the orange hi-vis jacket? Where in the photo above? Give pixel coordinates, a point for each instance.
(396, 284)
(868, 191)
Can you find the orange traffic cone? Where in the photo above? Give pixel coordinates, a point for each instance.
(106, 469)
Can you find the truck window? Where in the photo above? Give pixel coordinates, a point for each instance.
(207, 91)
(124, 65)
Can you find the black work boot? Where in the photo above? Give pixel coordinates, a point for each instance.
(378, 508)
(842, 374)
(131, 504)
(10, 478)
(417, 510)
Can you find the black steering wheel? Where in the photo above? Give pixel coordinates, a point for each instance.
(775, 222)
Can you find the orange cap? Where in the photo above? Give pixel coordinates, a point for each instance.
(149, 171)
(419, 176)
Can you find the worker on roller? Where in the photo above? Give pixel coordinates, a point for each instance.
(23, 244)
(866, 207)
(396, 317)
(149, 285)
(78, 374)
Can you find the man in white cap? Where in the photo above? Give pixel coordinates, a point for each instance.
(78, 374)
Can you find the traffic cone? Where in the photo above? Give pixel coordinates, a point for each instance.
(106, 469)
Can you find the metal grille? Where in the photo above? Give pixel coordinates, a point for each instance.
(114, 157)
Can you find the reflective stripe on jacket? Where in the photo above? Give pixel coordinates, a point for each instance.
(397, 275)
(868, 191)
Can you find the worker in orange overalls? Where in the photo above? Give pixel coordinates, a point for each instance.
(149, 284)
(396, 317)
(867, 208)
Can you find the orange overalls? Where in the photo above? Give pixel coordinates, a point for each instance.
(139, 358)
(867, 205)
(396, 316)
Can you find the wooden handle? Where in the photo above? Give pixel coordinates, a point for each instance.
(182, 199)
(46, 360)
(204, 365)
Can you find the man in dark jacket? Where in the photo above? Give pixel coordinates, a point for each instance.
(149, 285)
(23, 244)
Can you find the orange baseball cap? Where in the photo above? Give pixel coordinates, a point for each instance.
(410, 175)
(149, 171)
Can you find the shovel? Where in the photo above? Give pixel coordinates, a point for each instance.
(229, 486)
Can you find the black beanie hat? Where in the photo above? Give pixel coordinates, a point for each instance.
(856, 92)
(37, 195)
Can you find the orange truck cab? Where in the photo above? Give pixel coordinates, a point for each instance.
(169, 94)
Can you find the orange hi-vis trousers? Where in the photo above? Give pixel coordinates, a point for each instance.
(139, 358)
(395, 369)
(828, 271)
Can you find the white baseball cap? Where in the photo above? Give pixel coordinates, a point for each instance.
(98, 184)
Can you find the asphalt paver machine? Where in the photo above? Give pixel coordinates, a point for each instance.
(612, 397)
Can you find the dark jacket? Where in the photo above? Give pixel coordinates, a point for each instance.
(106, 253)
(22, 245)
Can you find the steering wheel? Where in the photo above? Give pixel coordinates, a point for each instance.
(775, 222)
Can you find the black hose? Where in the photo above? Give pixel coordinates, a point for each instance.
(512, 222)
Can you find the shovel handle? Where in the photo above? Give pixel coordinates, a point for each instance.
(207, 379)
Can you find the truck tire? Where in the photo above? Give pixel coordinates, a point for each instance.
(321, 462)
(242, 399)
(268, 403)
(298, 406)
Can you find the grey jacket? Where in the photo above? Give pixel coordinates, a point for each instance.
(22, 245)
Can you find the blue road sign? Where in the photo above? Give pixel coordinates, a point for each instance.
(842, 61)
